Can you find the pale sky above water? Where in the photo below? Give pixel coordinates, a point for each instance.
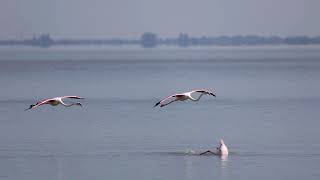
(167, 18)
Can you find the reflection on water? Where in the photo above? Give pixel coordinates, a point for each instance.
(224, 164)
(189, 168)
(59, 167)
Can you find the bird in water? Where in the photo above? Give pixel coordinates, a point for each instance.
(222, 150)
(56, 101)
(184, 96)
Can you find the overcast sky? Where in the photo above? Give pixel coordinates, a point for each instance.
(167, 18)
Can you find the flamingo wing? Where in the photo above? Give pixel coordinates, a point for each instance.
(166, 101)
(203, 91)
(72, 97)
(46, 101)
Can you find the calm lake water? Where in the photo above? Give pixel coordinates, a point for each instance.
(267, 110)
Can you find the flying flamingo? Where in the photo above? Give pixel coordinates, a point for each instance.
(56, 101)
(183, 97)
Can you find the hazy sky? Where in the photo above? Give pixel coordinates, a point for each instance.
(130, 18)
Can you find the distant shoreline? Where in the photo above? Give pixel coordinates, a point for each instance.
(151, 40)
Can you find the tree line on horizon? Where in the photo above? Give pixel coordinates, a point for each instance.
(151, 40)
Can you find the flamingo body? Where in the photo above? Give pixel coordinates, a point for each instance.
(56, 101)
(183, 97)
(223, 149)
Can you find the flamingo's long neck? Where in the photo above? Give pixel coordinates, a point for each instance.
(68, 105)
(193, 99)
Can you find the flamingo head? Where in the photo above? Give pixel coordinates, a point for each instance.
(79, 104)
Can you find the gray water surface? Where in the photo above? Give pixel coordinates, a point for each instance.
(266, 110)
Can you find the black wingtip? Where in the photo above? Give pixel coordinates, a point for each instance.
(27, 109)
(30, 107)
(156, 104)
